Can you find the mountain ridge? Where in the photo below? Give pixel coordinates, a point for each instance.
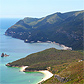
(63, 28)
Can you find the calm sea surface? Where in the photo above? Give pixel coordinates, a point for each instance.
(17, 49)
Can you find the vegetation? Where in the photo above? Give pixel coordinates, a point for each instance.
(48, 58)
(63, 28)
(65, 63)
(74, 72)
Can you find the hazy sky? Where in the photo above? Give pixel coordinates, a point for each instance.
(37, 8)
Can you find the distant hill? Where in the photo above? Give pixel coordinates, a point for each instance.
(63, 28)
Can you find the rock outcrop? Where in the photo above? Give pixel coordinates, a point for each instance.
(4, 55)
(61, 79)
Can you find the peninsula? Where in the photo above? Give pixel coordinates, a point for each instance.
(55, 61)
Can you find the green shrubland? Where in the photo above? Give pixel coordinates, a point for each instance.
(65, 63)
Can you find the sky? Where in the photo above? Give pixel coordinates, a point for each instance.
(37, 8)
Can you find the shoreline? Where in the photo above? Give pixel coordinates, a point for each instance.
(64, 47)
(47, 75)
(23, 68)
(53, 42)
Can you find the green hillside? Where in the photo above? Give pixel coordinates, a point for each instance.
(47, 58)
(63, 28)
(74, 73)
(64, 63)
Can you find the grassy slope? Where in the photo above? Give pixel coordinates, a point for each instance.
(74, 72)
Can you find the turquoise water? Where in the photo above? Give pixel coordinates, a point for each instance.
(17, 49)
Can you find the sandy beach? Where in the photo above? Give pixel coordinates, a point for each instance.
(23, 68)
(66, 48)
(47, 75)
(45, 72)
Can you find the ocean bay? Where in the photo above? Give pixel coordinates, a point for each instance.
(17, 49)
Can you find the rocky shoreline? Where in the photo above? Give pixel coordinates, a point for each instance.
(9, 65)
(64, 47)
(26, 41)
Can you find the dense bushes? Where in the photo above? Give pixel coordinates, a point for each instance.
(48, 58)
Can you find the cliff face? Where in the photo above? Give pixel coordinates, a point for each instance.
(64, 28)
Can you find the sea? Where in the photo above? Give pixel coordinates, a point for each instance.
(17, 49)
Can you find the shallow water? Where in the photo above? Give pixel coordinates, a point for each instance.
(18, 49)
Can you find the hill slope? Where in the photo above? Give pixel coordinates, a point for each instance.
(73, 74)
(48, 58)
(64, 63)
(63, 28)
